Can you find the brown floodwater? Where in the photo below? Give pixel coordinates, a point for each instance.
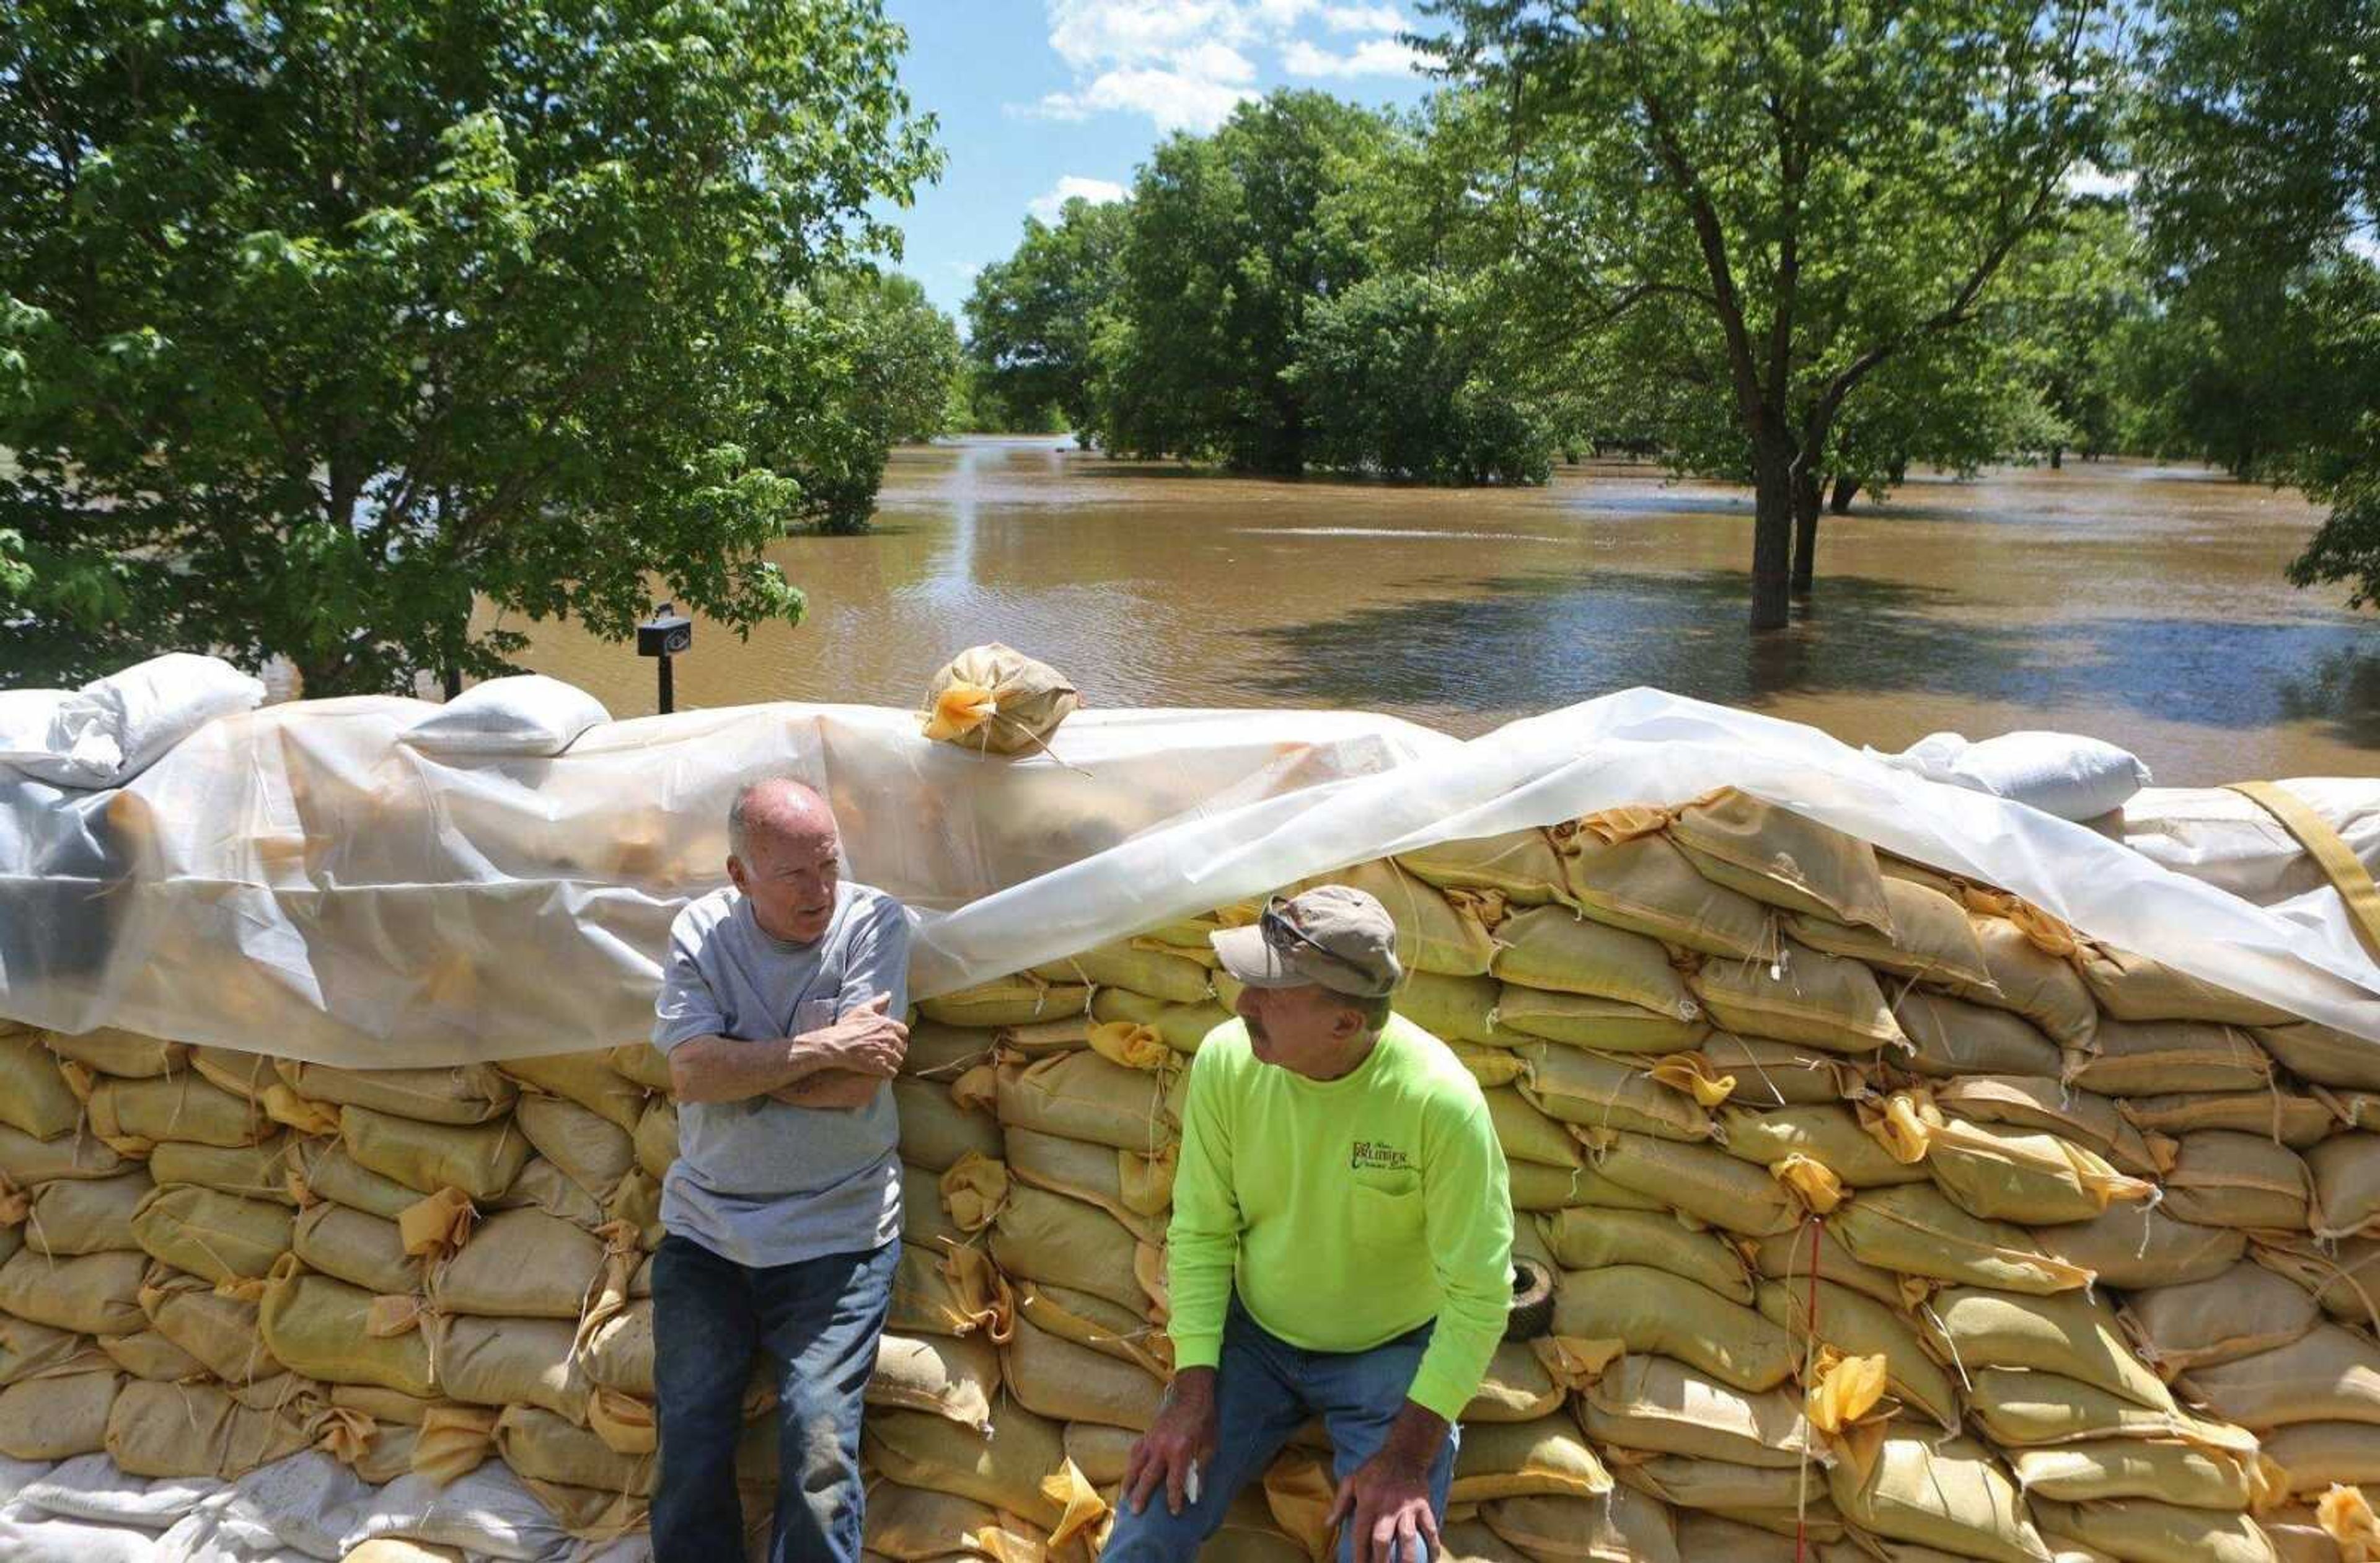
(2145, 604)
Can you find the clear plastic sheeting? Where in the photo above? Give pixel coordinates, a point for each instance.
(2234, 844)
(296, 881)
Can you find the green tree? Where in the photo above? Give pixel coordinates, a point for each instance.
(320, 321)
(2258, 146)
(908, 354)
(1760, 207)
(1032, 318)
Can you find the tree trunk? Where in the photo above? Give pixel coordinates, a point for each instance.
(1844, 488)
(453, 680)
(2057, 458)
(1772, 534)
(1806, 506)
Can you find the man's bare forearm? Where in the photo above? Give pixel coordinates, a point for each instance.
(1414, 1437)
(723, 1069)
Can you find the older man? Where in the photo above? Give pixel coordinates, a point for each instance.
(1341, 1246)
(781, 1014)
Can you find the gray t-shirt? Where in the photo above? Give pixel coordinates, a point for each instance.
(759, 1181)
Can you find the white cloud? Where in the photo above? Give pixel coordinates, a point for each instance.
(1090, 34)
(1175, 101)
(2086, 180)
(1050, 206)
(1375, 57)
(1363, 18)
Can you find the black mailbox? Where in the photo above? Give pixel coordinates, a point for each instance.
(665, 633)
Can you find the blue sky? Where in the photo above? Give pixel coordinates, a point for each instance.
(1039, 99)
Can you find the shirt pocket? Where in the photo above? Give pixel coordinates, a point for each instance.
(1384, 1209)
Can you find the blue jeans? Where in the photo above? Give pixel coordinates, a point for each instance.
(819, 1321)
(1265, 1390)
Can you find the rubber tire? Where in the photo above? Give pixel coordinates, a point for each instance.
(1533, 1301)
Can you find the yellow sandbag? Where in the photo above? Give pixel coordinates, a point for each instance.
(2343, 1520)
(644, 1063)
(1083, 1096)
(1998, 1172)
(1931, 938)
(1134, 1189)
(1950, 1495)
(1057, 1378)
(1537, 1187)
(2033, 982)
(33, 1095)
(996, 701)
(1437, 930)
(2134, 988)
(1522, 865)
(1051, 1238)
(2328, 1374)
(1643, 883)
(319, 1327)
(124, 1054)
(1589, 1240)
(1023, 1471)
(619, 1351)
(1107, 1328)
(2070, 1335)
(60, 1417)
(1782, 858)
(221, 1331)
(1622, 1526)
(590, 1150)
(920, 1525)
(2324, 1056)
(2317, 1454)
(1101, 1454)
(147, 1355)
(1520, 1459)
(936, 1131)
(481, 1159)
(2166, 1470)
(1579, 1087)
(1722, 1484)
(1655, 1311)
(1784, 1255)
(952, 1377)
(321, 1169)
(1607, 1025)
(2343, 1277)
(2020, 1409)
(1830, 1135)
(257, 1172)
(2138, 1531)
(25, 1161)
(1454, 1009)
(2297, 1121)
(521, 1264)
(2346, 1173)
(1181, 1027)
(360, 1248)
(1778, 1074)
(949, 1295)
(1157, 975)
(656, 1137)
(220, 1236)
(1913, 1229)
(90, 1294)
(2135, 1246)
(1553, 949)
(1701, 1535)
(2145, 1057)
(1654, 1403)
(85, 1214)
(1516, 1388)
(183, 1106)
(1009, 1000)
(1465, 1541)
(1858, 1326)
(460, 1094)
(2223, 1179)
(511, 1362)
(542, 1447)
(1954, 1038)
(2245, 1310)
(1819, 1000)
(1527, 1132)
(1702, 1181)
(196, 1430)
(541, 1186)
(587, 1078)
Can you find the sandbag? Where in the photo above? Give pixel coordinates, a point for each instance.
(543, 1187)
(1437, 930)
(360, 1248)
(619, 1353)
(90, 1294)
(1111, 1328)
(1456, 1009)
(25, 1161)
(542, 1447)
(1778, 1074)
(1579, 1087)
(222, 1332)
(1022, 1471)
(479, 1159)
(1952, 1036)
(37, 1351)
(1787, 1255)
(1019, 999)
(590, 1150)
(2020, 1409)
(948, 1376)
(2136, 1246)
(1643, 883)
(2327, 1374)
(920, 1525)
(57, 1418)
(85, 1214)
(1590, 1240)
(1622, 1526)
(1754, 1492)
(1783, 859)
(1544, 1458)
(2041, 1103)
(2316, 1454)
(1051, 1238)
(2143, 1058)
(34, 1099)
(2343, 1277)
(643, 1063)
(1537, 1187)
(1182, 1027)
(2139, 1531)
(319, 1327)
(196, 1430)
(2346, 1173)
(521, 1264)
(1914, 1230)
(1554, 949)
(183, 1106)
(2245, 1310)
(147, 1355)
(257, 1172)
(512, 1361)
(1608, 1026)
(321, 1169)
(1858, 1326)
(1152, 973)
(2041, 986)
(1134, 1189)
(656, 1136)
(1931, 937)
(1080, 1096)
(220, 1236)
(2297, 1121)
(1654, 1311)
(125, 1054)
(1516, 1388)
(587, 1078)
(2222, 1178)
(2134, 988)
(1654, 1403)
(2168, 1471)
(2324, 1056)
(1522, 866)
(462, 1094)
(1056, 1378)
(1950, 1495)
(995, 700)
(1702, 1181)
(2070, 1335)
(1819, 1000)
(937, 1131)
(1829, 1133)
(1999, 1173)
(1528, 1134)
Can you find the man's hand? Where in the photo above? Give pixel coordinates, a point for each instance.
(1385, 1499)
(839, 1090)
(868, 1041)
(1182, 1435)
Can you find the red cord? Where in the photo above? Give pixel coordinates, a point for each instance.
(1800, 1524)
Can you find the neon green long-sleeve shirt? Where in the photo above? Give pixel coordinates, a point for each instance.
(1347, 1212)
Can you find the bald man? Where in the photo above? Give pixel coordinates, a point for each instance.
(781, 1014)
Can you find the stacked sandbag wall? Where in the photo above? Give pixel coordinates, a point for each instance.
(1893, 1219)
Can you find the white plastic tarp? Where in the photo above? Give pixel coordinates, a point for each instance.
(293, 880)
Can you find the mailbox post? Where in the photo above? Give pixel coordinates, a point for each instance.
(662, 636)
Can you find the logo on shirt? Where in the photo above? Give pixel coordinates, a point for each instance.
(1375, 1154)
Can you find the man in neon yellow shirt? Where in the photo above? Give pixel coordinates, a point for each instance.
(1341, 1246)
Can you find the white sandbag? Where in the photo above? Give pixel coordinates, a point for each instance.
(527, 714)
(2066, 774)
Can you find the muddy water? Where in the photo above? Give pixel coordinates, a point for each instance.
(2145, 604)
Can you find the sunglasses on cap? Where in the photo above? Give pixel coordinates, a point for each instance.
(1281, 934)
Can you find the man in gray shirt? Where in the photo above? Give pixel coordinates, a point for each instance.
(779, 1012)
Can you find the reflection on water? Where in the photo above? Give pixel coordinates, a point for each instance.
(2142, 603)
